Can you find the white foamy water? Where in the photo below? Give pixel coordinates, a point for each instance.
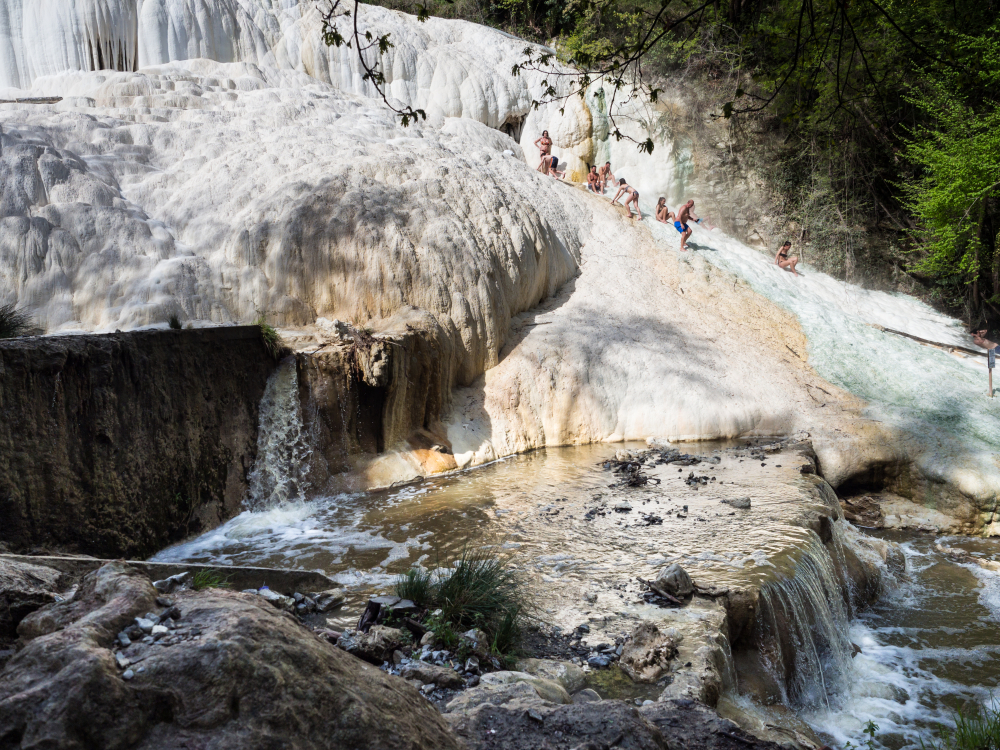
(280, 472)
(927, 647)
(936, 398)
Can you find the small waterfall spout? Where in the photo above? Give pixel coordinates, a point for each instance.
(802, 626)
(281, 470)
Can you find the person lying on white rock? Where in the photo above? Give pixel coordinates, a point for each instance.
(783, 261)
(663, 212)
(606, 177)
(544, 145)
(986, 335)
(633, 197)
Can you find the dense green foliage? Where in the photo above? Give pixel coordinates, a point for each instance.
(872, 121)
(482, 589)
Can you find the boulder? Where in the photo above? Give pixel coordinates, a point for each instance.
(512, 726)
(432, 673)
(239, 674)
(375, 646)
(674, 580)
(329, 599)
(520, 693)
(24, 587)
(567, 674)
(648, 652)
(549, 690)
(587, 696)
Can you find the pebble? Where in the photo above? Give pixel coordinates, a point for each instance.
(742, 503)
(590, 597)
(428, 688)
(123, 640)
(583, 628)
(145, 625)
(121, 661)
(159, 631)
(128, 674)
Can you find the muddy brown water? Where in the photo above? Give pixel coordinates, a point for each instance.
(927, 646)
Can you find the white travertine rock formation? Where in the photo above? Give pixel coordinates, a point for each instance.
(213, 158)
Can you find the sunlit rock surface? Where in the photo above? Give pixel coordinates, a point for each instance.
(213, 158)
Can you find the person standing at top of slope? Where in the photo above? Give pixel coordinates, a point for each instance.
(606, 177)
(544, 145)
(633, 197)
(783, 261)
(684, 214)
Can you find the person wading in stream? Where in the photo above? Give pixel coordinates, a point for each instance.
(544, 145)
(633, 197)
(594, 183)
(783, 261)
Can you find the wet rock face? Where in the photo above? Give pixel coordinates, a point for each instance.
(116, 445)
(231, 671)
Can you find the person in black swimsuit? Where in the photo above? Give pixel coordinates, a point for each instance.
(633, 197)
(782, 260)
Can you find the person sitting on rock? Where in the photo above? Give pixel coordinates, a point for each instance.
(663, 213)
(783, 261)
(633, 197)
(594, 183)
(544, 144)
(606, 177)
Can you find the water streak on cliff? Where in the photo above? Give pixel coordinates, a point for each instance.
(283, 448)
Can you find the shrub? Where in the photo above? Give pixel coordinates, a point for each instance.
(13, 322)
(483, 589)
(175, 324)
(272, 340)
(976, 728)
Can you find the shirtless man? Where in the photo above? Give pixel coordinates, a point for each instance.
(985, 329)
(684, 213)
(594, 184)
(606, 177)
(633, 197)
(544, 145)
(663, 213)
(783, 261)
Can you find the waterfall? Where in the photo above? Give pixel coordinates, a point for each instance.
(281, 471)
(801, 629)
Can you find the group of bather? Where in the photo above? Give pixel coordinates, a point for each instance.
(598, 178)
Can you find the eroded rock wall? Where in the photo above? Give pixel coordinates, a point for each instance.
(115, 445)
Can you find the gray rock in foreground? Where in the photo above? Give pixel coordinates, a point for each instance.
(658, 726)
(237, 674)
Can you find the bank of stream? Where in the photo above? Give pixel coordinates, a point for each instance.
(927, 643)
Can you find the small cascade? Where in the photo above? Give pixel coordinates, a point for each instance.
(801, 631)
(280, 473)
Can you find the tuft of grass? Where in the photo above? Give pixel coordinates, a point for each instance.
(209, 579)
(483, 589)
(272, 341)
(14, 322)
(175, 323)
(977, 727)
(416, 585)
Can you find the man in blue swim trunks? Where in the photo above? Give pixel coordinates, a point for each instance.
(681, 224)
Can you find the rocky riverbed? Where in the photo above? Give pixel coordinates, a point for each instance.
(114, 661)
